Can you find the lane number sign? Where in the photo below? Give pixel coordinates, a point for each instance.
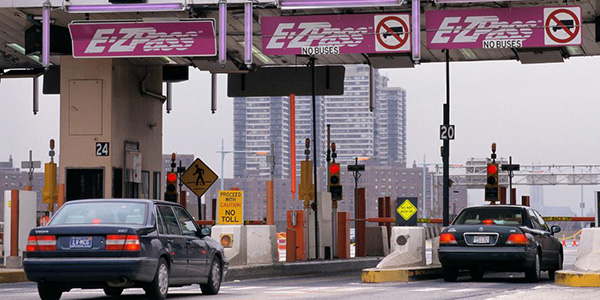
(102, 148)
(446, 132)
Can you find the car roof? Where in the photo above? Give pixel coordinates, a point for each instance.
(148, 201)
(498, 206)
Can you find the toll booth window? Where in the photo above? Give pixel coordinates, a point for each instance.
(186, 222)
(169, 219)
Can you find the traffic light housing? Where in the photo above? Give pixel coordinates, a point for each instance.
(491, 185)
(171, 190)
(334, 181)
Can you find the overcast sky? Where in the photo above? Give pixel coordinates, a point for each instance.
(542, 114)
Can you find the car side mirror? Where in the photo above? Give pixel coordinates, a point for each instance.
(555, 229)
(205, 231)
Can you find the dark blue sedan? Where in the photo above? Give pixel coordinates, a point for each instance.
(115, 244)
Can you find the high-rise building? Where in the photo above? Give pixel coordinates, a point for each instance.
(381, 134)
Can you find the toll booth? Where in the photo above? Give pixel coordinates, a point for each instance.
(110, 128)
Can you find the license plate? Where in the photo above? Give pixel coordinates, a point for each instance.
(481, 239)
(81, 242)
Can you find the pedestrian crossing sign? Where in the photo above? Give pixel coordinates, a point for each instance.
(199, 177)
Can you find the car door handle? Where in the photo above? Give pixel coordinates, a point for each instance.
(188, 242)
(170, 241)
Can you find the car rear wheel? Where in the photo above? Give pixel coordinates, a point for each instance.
(476, 274)
(533, 274)
(113, 291)
(214, 279)
(552, 272)
(449, 274)
(49, 291)
(159, 287)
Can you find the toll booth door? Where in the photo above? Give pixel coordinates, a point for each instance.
(84, 184)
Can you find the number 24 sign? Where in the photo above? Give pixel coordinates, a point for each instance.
(447, 132)
(102, 148)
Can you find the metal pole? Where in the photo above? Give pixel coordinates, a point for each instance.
(510, 176)
(446, 152)
(222, 161)
(36, 96)
(315, 162)
(424, 190)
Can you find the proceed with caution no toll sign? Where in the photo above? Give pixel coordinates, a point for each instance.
(231, 208)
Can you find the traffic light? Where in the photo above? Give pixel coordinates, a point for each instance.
(334, 182)
(491, 185)
(171, 192)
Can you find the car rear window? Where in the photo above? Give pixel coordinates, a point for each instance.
(101, 213)
(490, 216)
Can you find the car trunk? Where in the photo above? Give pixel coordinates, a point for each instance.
(482, 235)
(83, 240)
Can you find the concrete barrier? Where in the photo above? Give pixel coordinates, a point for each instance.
(408, 248)
(586, 271)
(237, 252)
(376, 239)
(261, 245)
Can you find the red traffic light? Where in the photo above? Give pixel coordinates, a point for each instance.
(492, 169)
(171, 177)
(334, 168)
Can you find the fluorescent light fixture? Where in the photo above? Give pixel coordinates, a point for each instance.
(222, 32)
(574, 50)
(46, 35)
(261, 56)
(168, 60)
(21, 50)
(316, 4)
(248, 33)
(468, 54)
(416, 30)
(146, 7)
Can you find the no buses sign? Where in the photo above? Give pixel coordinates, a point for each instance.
(231, 208)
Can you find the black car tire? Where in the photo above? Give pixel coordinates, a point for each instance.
(214, 279)
(49, 291)
(533, 273)
(159, 287)
(552, 272)
(476, 274)
(113, 291)
(449, 274)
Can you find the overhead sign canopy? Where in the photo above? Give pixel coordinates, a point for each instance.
(316, 4)
(144, 39)
(527, 27)
(336, 34)
(199, 177)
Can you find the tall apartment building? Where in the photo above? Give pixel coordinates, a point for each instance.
(381, 134)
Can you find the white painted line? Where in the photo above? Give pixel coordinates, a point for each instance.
(244, 288)
(428, 289)
(285, 292)
(464, 290)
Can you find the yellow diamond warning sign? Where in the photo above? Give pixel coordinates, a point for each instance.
(406, 210)
(199, 177)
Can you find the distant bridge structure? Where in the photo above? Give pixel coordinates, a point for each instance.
(472, 174)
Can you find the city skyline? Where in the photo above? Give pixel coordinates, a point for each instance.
(520, 107)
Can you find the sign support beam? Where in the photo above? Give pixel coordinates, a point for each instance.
(446, 148)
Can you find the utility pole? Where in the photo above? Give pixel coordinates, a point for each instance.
(446, 147)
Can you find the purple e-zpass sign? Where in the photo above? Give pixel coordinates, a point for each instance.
(336, 34)
(133, 39)
(504, 27)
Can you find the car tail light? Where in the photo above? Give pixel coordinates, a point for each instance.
(517, 239)
(118, 242)
(487, 222)
(41, 243)
(447, 239)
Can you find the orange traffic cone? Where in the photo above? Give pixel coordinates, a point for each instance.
(574, 242)
(563, 242)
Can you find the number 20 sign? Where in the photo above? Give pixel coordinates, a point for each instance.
(446, 132)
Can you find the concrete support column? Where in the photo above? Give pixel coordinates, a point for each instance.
(110, 101)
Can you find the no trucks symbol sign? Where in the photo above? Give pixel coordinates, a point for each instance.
(392, 33)
(562, 26)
